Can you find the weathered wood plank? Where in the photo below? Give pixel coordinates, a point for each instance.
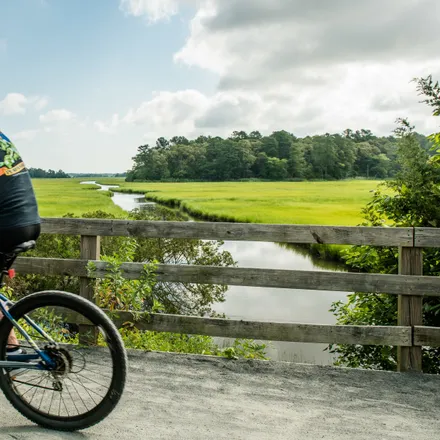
(427, 336)
(427, 237)
(410, 309)
(267, 331)
(90, 250)
(376, 236)
(237, 276)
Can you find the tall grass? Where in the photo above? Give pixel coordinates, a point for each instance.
(323, 203)
(57, 197)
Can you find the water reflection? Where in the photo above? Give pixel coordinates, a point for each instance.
(269, 304)
(282, 305)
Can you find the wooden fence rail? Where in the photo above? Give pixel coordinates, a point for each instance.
(410, 285)
(404, 285)
(376, 236)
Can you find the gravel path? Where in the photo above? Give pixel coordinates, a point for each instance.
(191, 397)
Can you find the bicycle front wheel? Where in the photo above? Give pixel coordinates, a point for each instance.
(88, 362)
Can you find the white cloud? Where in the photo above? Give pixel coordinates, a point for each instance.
(3, 44)
(327, 107)
(40, 103)
(108, 127)
(26, 135)
(166, 112)
(314, 66)
(306, 66)
(258, 37)
(154, 10)
(13, 104)
(17, 103)
(58, 115)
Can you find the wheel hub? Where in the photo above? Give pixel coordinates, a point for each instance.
(62, 361)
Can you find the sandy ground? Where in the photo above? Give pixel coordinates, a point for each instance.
(191, 397)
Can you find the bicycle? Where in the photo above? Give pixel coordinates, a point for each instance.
(52, 356)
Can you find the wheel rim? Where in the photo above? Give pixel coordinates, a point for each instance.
(84, 373)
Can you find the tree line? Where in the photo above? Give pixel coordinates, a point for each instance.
(93, 175)
(38, 173)
(279, 156)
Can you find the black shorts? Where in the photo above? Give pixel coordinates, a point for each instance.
(10, 238)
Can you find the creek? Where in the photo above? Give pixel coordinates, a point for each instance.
(266, 304)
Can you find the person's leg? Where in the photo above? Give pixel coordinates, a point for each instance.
(9, 239)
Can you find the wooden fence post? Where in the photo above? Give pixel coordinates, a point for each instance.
(409, 359)
(90, 250)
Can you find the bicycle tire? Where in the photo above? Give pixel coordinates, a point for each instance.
(118, 353)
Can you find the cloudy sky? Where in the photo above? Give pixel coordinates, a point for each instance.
(83, 83)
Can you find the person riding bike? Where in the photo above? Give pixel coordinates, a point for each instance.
(19, 217)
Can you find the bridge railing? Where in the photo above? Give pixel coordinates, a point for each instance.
(409, 335)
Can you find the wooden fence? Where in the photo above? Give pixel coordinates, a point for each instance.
(409, 335)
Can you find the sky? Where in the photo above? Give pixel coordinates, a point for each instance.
(84, 83)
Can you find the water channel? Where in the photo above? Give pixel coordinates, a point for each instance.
(266, 304)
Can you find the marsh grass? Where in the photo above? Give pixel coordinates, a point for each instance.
(320, 203)
(57, 197)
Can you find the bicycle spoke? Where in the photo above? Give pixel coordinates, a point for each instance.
(51, 401)
(73, 384)
(59, 407)
(35, 391)
(33, 385)
(80, 370)
(42, 397)
(65, 406)
(95, 372)
(70, 394)
(88, 389)
(82, 385)
(91, 380)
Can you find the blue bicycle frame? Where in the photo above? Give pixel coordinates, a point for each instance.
(22, 361)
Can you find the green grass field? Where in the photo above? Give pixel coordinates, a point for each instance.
(57, 197)
(325, 203)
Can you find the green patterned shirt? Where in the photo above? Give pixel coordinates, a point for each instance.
(18, 205)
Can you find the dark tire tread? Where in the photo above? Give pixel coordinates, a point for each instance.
(97, 316)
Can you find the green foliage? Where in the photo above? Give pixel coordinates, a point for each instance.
(145, 294)
(114, 292)
(178, 298)
(431, 90)
(366, 309)
(279, 156)
(193, 344)
(412, 198)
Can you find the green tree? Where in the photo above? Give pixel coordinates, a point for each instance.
(259, 167)
(323, 157)
(276, 169)
(179, 140)
(430, 89)
(255, 135)
(229, 160)
(296, 164)
(186, 161)
(269, 145)
(284, 141)
(330, 156)
(162, 143)
(412, 198)
(239, 136)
